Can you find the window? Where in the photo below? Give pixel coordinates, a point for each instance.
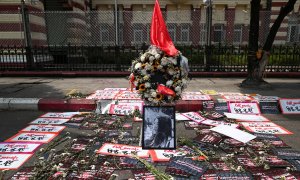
(138, 33)
(185, 33)
(202, 33)
(293, 33)
(104, 33)
(237, 36)
(172, 31)
(219, 33)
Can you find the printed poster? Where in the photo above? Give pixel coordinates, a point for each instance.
(244, 108)
(122, 109)
(290, 106)
(246, 117)
(209, 92)
(43, 128)
(237, 98)
(265, 128)
(66, 115)
(18, 147)
(195, 97)
(13, 161)
(53, 121)
(210, 122)
(123, 150)
(32, 137)
(127, 95)
(194, 116)
(164, 154)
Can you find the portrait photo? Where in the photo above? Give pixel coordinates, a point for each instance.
(158, 130)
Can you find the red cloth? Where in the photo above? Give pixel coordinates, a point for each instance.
(159, 34)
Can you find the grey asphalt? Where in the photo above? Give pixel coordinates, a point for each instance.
(13, 121)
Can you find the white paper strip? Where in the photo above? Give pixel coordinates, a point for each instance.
(234, 133)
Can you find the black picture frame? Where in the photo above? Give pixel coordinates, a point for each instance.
(159, 127)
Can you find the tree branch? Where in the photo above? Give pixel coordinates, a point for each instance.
(284, 11)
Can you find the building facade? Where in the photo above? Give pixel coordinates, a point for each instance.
(96, 22)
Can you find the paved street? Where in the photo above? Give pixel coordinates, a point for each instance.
(13, 121)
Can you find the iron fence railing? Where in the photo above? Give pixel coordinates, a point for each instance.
(118, 58)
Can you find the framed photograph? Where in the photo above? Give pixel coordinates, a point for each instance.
(159, 131)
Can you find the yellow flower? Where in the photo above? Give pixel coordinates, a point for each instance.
(142, 87)
(158, 97)
(155, 67)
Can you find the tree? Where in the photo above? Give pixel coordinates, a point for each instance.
(258, 58)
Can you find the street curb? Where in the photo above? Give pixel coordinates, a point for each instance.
(19, 103)
(65, 105)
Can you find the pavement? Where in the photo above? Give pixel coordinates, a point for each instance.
(23, 99)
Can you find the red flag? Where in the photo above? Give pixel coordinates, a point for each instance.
(159, 34)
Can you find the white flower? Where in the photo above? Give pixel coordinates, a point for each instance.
(153, 94)
(178, 89)
(144, 72)
(184, 82)
(169, 83)
(146, 77)
(143, 57)
(157, 56)
(174, 61)
(155, 101)
(147, 85)
(164, 61)
(146, 95)
(148, 67)
(171, 72)
(159, 67)
(151, 58)
(150, 99)
(138, 66)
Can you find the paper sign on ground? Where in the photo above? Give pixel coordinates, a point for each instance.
(266, 98)
(53, 121)
(246, 117)
(66, 115)
(18, 147)
(230, 94)
(195, 97)
(234, 133)
(43, 128)
(194, 116)
(265, 128)
(127, 95)
(32, 137)
(237, 98)
(115, 89)
(210, 122)
(164, 155)
(122, 109)
(244, 108)
(13, 161)
(290, 106)
(123, 150)
(180, 117)
(209, 92)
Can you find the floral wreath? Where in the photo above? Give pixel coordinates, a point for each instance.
(157, 77)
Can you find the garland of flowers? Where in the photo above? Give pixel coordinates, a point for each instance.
(155, 62)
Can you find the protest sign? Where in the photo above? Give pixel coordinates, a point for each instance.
(237, 98)
(164, 155)
(123, 150)
(122, 109)
(128, 95)
(265, 128)
(290, 106)
(53, 121)
(18, 147)
(32, 137)
(13, 161)
(194, 116)
(195, 97)
(209, 122)
(243, 108)
(66, 115)
(43, 128)
(246, 117)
